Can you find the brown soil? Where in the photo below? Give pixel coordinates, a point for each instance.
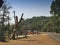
(40, 39)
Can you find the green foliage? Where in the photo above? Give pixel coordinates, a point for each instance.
(35, 23)
(41, 24)
(55, 10)
(55, 7)
(4, 18)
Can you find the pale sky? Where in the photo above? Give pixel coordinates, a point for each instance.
(30, 8)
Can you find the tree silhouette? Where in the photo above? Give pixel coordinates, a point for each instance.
(1, 3)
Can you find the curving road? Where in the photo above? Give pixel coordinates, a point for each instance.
(55, 36)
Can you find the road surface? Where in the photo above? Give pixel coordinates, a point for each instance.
(56, 36)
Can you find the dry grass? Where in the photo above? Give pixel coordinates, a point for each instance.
(40, 39)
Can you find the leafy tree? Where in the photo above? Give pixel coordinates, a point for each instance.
(38, 23)
(3, 20)
(55, 10)
(55, 7)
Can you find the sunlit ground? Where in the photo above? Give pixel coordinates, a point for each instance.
(37, 39)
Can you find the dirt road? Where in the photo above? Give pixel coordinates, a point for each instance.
(40, 39)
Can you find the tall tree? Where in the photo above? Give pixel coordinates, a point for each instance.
(3, 20)
(55, 7)
(1, 3)
(55, 10)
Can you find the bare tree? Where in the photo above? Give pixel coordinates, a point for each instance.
(15, 34)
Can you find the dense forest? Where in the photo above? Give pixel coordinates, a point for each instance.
(42, 24)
